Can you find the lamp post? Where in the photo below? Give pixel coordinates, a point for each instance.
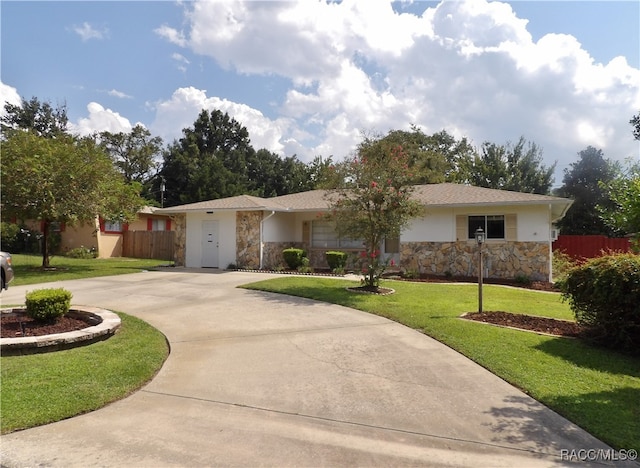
(162, 189)
(480, 236)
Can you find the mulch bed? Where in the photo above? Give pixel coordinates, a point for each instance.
(527, 322)
(11, 326)
(535, 285)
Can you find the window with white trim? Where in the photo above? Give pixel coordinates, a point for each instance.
(324, 235)
(492, 225)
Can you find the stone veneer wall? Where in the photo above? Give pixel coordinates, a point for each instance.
(501, 260)
(272, 253)
(180, 240)
(248, 239)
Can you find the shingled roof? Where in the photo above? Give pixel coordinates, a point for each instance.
(435, 195)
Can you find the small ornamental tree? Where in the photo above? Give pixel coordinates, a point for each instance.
(375, 202)
(63, 179)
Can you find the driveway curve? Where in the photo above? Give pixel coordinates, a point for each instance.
(259, 379)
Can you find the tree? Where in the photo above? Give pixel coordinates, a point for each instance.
(37, 116)
(635, 122)
(134, 153)
(269, 175)
(63, 179)
(584, 183)
(622, 214)
(426, 163)
(375, 202)
(208, 162)
(324, 173)
(512, 167)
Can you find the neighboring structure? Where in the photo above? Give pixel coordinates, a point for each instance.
(251, 232)
(106, 237)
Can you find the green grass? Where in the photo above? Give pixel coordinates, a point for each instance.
(42, 388)
(28, 268)
(595, 388)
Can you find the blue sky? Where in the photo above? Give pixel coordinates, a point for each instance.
(308, 77)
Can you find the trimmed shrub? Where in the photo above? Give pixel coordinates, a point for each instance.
(293, 257)
(47, 305)
(604, 294)
(336, 260)
(82, 252)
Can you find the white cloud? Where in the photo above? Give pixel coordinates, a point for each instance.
(470, 67)
(172, 35)
(182, 109)
(86, 31)
(8, 95)
(118, 94)
(100, 120)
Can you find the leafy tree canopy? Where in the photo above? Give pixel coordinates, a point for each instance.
(635, 122)
(622, 214)
(134, 154)
(584, 182)
(62, 179)
(375, 203)
(512, 167)
(39, 117)
(269, 175)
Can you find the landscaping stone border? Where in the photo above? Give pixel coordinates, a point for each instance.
(101, 324)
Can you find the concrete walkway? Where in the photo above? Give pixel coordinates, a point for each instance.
(257, 379)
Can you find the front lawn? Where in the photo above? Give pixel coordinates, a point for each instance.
(28, 268)
(42, 388)
(597, 389)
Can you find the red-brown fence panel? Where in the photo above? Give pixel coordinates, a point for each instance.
(148, 244)
(581, 247)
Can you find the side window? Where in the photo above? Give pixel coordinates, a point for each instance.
(159, 225)
(113, 226)
(492, 225)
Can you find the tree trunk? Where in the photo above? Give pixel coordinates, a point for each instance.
(45, 243)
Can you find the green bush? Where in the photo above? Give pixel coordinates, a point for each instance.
(561, 264)
(9, 237)
(336, 260)
(604, 294)
(47, 305)
(305, 266)
(293, 257)
(83, 252)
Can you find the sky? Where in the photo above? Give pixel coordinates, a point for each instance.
(309, 78)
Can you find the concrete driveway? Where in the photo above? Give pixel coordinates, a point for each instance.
(257, 379)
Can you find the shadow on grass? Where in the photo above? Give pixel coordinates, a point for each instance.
(591, 357)
(522, 421)
(595, 410)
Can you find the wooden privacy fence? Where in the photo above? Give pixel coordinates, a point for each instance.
(148, 244)
(590, 246)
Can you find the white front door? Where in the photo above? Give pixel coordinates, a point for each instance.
(210, 244)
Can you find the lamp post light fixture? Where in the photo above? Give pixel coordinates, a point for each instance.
(162, 189)
(480, 238)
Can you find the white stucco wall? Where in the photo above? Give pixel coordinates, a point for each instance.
(439, 224)
(533, 224)
(226, 238)
(279, 228)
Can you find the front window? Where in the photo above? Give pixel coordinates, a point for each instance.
(324, 235)
(492, 225)
(113, 226)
